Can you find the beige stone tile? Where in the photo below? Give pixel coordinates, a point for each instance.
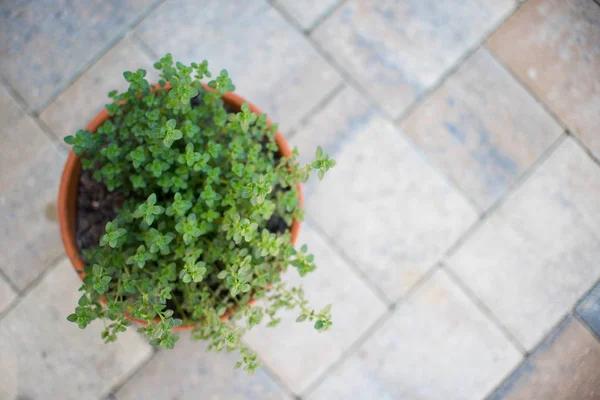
(77, 105)
(29, 235)
(564, 367)
(482, 129)
(532, 259)
(437, 345)
(271, 64)
(48, 357)
(44, 43)
(295, 351)
(7, 294)
(307, 12)
(552, 46)
(189, 372)
(390, 212)
(398, 49)
(22, 139)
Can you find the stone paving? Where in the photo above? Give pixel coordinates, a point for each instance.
(458, 238)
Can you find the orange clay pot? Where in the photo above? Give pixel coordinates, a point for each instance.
(69, 184)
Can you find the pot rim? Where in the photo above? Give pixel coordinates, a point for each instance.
(67, 194)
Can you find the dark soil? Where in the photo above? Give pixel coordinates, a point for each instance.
(96, 206)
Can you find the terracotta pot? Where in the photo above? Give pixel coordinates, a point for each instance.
(69, 184)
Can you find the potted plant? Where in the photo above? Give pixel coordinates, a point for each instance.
(179, 207)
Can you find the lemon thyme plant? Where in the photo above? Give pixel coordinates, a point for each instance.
(192, 240)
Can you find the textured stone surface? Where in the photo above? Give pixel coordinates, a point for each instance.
(270, 63)
(299, 354)
(30, 167)
(7, 294)
(532, 259)
(437, 345)
(307, 12)
(51, 358)
(45, 42)
(398, 49)
(189, 372)
(564, 367)
(552, 46)
(589, 310)
(389, 211)
(77, 105)
(22, 139)
(482, 128)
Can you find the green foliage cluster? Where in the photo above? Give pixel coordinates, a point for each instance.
(191, 243)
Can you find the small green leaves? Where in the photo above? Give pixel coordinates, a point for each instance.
(193, 272)
(189, 229)
(222, 84)
(245, 118)
(156, 241)
(258, 190)
(204, 202)
(148, 210)
(81, 141)
(136, 81)
(114, 236)
(190, 157)
(169, 133)
(322, 163)
(179, 206)
(140, 257)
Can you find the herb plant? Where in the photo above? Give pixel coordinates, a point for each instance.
(191, 241)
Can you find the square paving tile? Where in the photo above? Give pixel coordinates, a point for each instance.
(296, 352)
(307, 12)
(30, 168)
(589, 310)
(189, 372)
(51, 358)
(437, 345)
(77, 105)
(482, 128)
(564, 367)
(22, 139)
(538, 253)
(44, 43)
(552, 46)
(7, 294)
(398, 49)
(270, 63)
(391, 212)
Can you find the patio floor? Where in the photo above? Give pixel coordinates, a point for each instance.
(458, 237)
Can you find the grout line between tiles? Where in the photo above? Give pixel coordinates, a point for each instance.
(111, 393)
(581, 144)
(144, 48)
(348, 260)
(10, 283)
(361, 340)
(485, 310)
(346, 354)
(32, 285)
(103, 50)
(32, 115)
(527, 89)
(328, 98)
(272, 373)
(319, 21)
(422, 98)
(527, 356)
(332, 63)
(586, 326)
(513, 188)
